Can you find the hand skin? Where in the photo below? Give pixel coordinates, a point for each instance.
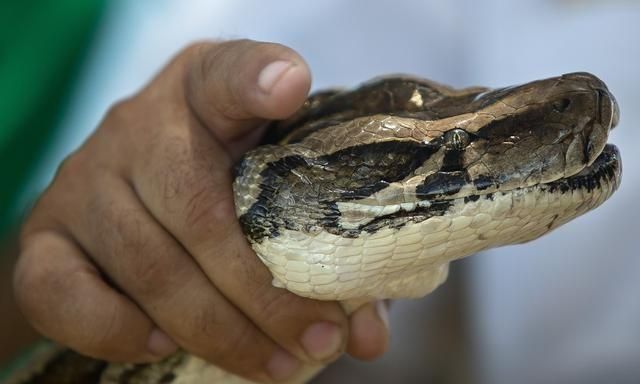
(134, 249)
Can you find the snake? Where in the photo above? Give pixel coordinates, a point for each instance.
(369, 193)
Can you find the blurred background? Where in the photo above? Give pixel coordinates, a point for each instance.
(563, 309)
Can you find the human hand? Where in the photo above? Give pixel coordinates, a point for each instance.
(134, 249)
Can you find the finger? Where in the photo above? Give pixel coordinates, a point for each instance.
(369, 336)
(188, 190)
(231, 84)
(65, 298)
(152, 268)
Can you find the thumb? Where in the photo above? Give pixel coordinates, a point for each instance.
(232, 86)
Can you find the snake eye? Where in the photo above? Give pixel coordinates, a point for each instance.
(561, 105)
(457, 139)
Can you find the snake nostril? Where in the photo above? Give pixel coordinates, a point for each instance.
(561, 105)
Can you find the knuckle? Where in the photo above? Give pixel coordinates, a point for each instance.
(36, 274)
(198, 49)
(140, 262)
(211, 56)
(41, 285)
(149, 276)
(204, 209)
(196, 182)
(119, 126)
(209, 80)
(120, 112)
(57, 205)
(272, 306)
(69, 177)
(71, 170)
(109, 337)
(200, 58)
(27, 279)
(47, 295)
(230, 107)
(143, 261)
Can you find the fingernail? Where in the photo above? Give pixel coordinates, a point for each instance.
(282, 365)
(272, 73)
(322, 340)
(160, 344)
(383, 313)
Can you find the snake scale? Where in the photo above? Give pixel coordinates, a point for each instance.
(370, 193)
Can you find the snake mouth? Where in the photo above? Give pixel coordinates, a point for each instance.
(595, 182)
(606, 167)
(601, 178)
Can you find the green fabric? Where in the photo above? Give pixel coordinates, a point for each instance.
(42, 43)
(23, 360)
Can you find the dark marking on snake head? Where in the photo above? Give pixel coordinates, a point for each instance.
(403, 217)
(294, 190)
(452, 161)
(263, 217)
(441, 184)
(482, 182)
(367, 169)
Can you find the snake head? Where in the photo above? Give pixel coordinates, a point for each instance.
(371, 192)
